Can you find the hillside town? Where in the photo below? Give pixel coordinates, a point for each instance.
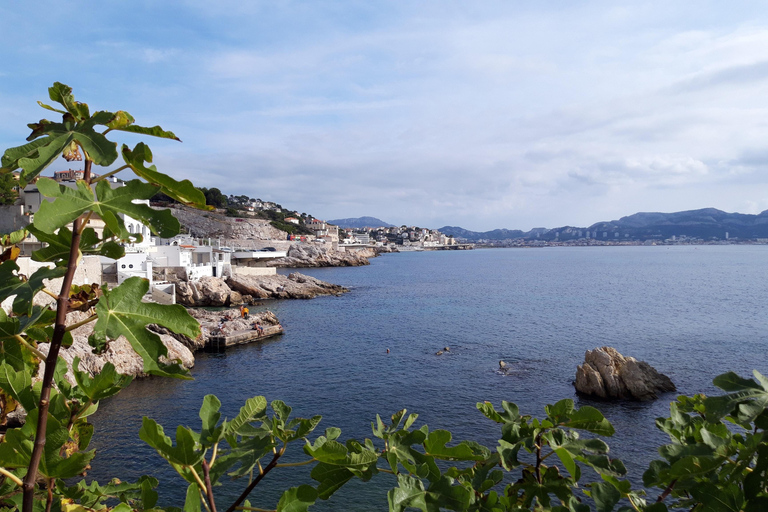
(242, 240)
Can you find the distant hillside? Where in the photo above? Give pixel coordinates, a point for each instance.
(707, 224)
(360, 222)
(496, 234)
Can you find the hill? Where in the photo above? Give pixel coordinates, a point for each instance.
(360, 222)
(706, 224)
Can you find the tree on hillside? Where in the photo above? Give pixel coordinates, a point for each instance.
(8, 189)
(214, 197)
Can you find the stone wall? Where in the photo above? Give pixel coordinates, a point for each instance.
(88, 272)
(254, 271)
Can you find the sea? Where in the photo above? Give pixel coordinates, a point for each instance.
(692, 312)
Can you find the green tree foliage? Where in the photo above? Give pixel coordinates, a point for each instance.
(8, 185)
(716, 460)
(214, 197)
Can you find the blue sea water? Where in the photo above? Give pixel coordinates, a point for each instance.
(692, 312)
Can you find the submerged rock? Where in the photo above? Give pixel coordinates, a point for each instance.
(608, 374)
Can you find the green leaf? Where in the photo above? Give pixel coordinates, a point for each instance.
(254, 409)
(282, 411)
(590, 419)
(58, 138)
(148, 494)
(714, 499)
(331, 478)
(567, 459)
(25, 290)
(509, 414)
(123, 121)
(332, 452)
(732, 382)
(192, 502)
(694, 466)
(605, 495)
(62, 94)
(70, 203)
(18, 384)
(410, 492)
(58, 245)
(103, 385)
(440, 495)
(185, 453)
(121, 312)
(183, 191)
(16, 449)
(435, 445)
(561, 411)
(297, 499)
(210, 415)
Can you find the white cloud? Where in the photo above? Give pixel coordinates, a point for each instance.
(483, 115)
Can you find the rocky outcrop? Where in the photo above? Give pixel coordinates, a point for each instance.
(292, 286)
(207, 224)
(120, 353)
(238, 289)
(208, 291)
(312, 255)
(210, 320)
(608, 374)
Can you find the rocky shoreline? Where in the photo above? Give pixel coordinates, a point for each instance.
(245, 289)
(308, 256)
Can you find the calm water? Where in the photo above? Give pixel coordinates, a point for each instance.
(692, 312)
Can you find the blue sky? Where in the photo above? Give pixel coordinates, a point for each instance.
(482, 114)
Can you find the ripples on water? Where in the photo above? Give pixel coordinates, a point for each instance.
(692, 312)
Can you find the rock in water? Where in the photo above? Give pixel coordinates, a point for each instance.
(608, 374)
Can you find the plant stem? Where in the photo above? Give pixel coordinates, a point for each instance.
(295, 464)
(11, 477)
(32, 349)
(215, 451)
(538, 458)
(50, 293)
(49, 500)
(82, 323)
(199, 480)
(59, 329)
(110, 173)
(84, 224)
(208, 486)
(256, 480)
(667, 491)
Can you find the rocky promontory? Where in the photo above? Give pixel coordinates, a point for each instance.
(312, 255)
(608, 374)
(238, 289)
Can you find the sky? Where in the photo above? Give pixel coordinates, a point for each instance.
(478, 114)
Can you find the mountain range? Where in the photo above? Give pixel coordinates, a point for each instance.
(360, 222)
(707, 224)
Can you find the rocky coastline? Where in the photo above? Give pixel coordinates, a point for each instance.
(308, 256)
(246, 289)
